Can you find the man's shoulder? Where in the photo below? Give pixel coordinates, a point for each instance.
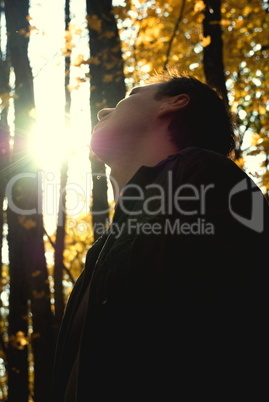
(202, 160)
(199, 165)
(194, 152)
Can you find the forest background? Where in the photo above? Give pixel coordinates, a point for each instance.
(61, 62)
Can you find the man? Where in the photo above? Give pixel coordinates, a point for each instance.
(173, 299)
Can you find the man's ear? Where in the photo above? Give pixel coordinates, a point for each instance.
(173, 104)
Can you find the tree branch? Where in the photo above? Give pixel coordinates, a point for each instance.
(181, 12)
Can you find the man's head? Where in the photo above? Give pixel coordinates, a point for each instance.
(164, 117)
(205, 122)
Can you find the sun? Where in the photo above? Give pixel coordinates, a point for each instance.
(57, 134)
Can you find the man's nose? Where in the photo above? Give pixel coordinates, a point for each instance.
(104, 112)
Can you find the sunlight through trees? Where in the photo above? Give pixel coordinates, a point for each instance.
(60, 62)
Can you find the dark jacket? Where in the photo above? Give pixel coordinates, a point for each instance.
(176, 304)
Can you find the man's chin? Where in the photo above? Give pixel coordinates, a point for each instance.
(98, 154)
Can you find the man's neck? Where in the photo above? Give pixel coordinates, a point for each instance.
(119, 177)
(121, 173)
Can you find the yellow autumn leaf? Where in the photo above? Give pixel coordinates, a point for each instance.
(78, 31)
(200, 18)
(225, 23)
(18, 341)
(66, 53)
(80, 246)
(266, 177)
(240, 162)
(92, 60)
(255, 139)
(69, 46)
(4, 98)
(78, 60)
(69, 254)
(72, 88)
(247, 10)
(68, 36)
(262, 109)
(79, 81)
(206, 41)
(199, 6)
(239, 23)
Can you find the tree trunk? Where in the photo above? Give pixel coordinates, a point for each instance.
(213, 53)
(107, 88)
(4, 135)
(60, 232)
(29, 288)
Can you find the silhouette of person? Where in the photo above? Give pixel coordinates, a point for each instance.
(173, 297)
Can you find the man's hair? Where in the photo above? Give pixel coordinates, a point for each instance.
(205, 122)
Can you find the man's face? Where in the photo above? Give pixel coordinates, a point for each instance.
(121, 129)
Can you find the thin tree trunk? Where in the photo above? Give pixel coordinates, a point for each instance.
(107, 88)
(213, 53)
(170, 43)
(4, 135)
(60, 232)
(17, 357)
